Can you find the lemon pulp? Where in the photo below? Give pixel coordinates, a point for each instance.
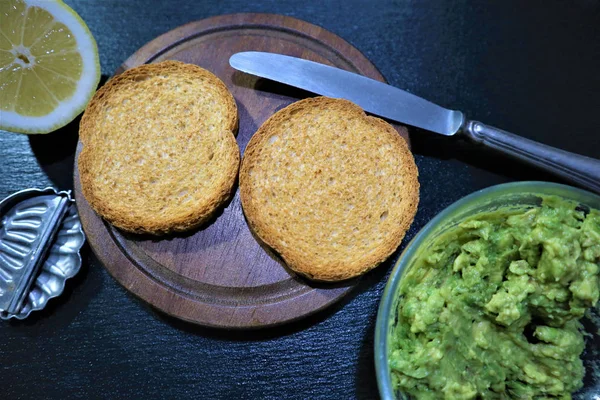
(44, 79)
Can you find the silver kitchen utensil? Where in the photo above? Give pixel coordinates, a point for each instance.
(396, 104)
(40, 241)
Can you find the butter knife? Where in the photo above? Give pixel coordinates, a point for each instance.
(390, 102)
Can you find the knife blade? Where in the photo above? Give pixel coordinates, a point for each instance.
(373, 96)
(398, 105)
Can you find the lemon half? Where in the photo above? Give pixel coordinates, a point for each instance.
(49, 67)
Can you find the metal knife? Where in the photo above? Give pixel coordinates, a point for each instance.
(398, 105)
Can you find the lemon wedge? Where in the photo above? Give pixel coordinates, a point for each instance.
(49, 67)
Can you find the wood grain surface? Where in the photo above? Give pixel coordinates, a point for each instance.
(221, 275)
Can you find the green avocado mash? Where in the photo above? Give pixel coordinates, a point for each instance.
(491, 309)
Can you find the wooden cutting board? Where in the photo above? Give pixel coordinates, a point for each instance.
(221, 275)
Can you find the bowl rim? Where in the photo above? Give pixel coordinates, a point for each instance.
(380, 342)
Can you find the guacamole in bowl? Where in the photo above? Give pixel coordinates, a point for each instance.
(488, 299)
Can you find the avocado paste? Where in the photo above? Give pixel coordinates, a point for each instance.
(491, 309)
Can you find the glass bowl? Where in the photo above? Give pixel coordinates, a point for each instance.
(510, 194)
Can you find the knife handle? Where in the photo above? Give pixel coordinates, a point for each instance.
(576, 168)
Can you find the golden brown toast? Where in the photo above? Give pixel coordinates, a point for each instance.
(159, 153)
(329, 188)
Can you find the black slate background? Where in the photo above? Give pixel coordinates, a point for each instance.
(531, 67)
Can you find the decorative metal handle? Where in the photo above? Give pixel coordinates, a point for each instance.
(579, 169)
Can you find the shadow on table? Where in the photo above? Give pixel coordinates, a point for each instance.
(55, 151)
(447, 147)
(365, 383)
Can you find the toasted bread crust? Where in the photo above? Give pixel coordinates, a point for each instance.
(159, 153)
(330, 189)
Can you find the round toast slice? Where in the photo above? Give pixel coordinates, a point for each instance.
(159, 152)
(330, 189)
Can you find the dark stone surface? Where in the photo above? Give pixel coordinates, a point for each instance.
(528, 67)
